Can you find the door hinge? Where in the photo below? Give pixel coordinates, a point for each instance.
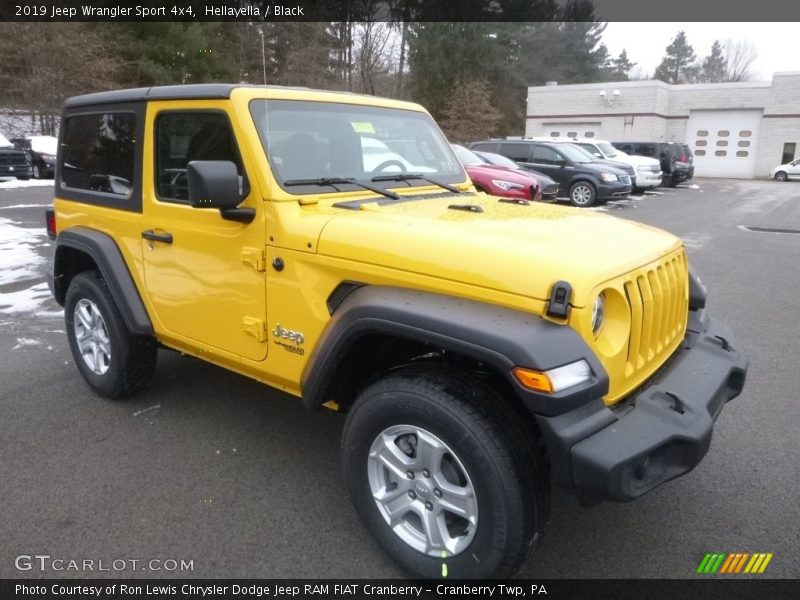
(254, 257)
(255, 328)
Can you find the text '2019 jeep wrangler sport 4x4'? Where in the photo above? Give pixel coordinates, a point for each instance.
(331, 245)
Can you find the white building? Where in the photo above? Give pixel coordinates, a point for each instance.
(734, 129)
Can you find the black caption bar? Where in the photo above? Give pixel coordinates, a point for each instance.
(311, 589)
(398, 10)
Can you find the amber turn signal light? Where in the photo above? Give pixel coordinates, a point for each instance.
(533, 380)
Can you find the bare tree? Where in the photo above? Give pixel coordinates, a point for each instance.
(639, 73)
(60, 60)
(739, 57)
(374, 50)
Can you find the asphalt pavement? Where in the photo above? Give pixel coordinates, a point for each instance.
(210, 467)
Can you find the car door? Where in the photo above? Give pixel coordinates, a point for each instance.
(551, 163)
(794, 169)
(205, 276)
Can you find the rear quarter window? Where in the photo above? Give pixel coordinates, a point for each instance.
(98, 153)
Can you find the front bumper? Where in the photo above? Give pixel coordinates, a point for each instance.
(613, 190)
(647, 179)
(662, 432)
(18, 171)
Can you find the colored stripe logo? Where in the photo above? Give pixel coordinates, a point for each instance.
(734, 563)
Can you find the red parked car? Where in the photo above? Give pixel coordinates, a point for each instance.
(496, 180)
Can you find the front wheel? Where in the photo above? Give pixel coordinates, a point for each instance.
(781, 176)
(582, 194)
(113, 362)
(441, 473)
(37, 173)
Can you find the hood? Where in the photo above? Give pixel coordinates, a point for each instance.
(612, 165)
(520, 250)
(496, 172)
(4, 143)
(636, 160)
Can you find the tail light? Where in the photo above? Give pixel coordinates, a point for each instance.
(50, 221)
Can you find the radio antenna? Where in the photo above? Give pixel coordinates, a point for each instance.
(264, 70)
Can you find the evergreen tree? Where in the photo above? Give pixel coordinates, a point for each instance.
(172, 53)
(621, 66)
(679, 57)
(469, 113)
(713, 70)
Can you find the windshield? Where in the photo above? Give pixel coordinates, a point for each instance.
(316, 140)
(607, 149)
(576, 153)
(498, 159)
(467, 157)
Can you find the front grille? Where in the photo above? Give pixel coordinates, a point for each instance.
(658, 300)
(654, 168)
(12, 159)
(550, 191)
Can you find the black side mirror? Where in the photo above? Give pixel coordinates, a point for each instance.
(215, 184)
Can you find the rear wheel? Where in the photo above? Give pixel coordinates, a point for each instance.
(441, 473)
(112, 361)
(582, 194)
(781, 176)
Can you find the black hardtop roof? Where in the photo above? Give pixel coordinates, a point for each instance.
(196, 91)
(523, 141)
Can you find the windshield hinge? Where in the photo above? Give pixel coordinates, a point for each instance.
(255, 258)
(255, 328)
(560, 297)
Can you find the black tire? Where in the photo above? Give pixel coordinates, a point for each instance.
(582, 194)
(37, 173)
(781, 176)
(484, 433)
(132, 359)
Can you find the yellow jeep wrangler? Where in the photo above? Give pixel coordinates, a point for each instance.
(331, 245)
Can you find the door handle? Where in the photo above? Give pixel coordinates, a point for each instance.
(151, 235)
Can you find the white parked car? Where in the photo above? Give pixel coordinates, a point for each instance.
(378, 156)
(788, 171)
(647, 171)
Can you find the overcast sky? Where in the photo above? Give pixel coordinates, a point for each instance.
(775, 43)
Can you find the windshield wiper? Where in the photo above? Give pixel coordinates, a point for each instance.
(334, 181)
(407, 176)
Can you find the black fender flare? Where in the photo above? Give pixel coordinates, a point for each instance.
(497, 336)
(105, 253)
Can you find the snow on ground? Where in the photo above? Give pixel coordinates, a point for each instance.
(18, 183)
(35, 300)
(20, 262)
(18, 257)
(22, 342)
(23, 206)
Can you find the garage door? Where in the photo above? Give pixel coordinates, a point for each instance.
(562, 130)
(724, 142)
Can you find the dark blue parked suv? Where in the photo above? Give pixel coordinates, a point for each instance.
(581, 179)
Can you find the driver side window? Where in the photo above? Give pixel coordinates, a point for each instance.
(182, 137)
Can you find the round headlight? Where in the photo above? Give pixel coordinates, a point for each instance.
(598, 312)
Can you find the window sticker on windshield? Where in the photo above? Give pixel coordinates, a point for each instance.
(362, 127)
